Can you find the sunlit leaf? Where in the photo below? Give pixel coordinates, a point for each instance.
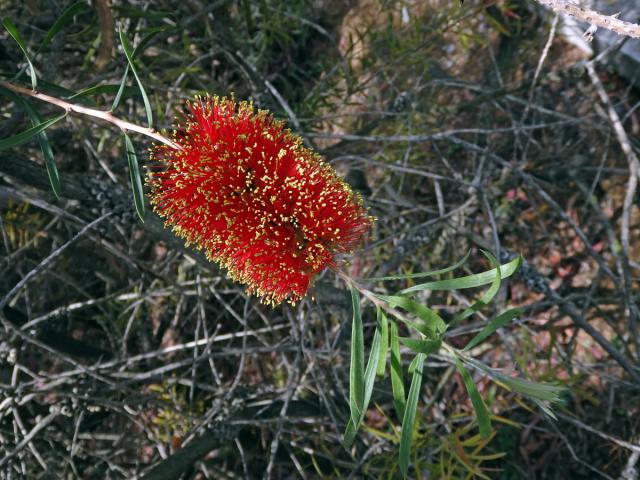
(482, 414)
(433, 326)
(369, 380)
(534, 390)
(486, 298)
(356, 372)
(408, 420)
(539, 390)
(370, 372)
(383, 325)
(349, 434)
(432, 273)
(397, 378)
(470, 281)
(426, 347)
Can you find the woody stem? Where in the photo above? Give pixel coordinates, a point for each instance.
(105, 115)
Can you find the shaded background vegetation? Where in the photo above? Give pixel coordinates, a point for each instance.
(460, 134)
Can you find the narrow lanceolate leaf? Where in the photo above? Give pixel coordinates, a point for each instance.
(486, 298)
(349, 434)
(128, 51)
(408, 420)
(356, 375)
(134, 172)
(482, 414)
(470, 281)
(121, 88)
(141, 45)
(413, 365)
(369, 380)
(540, 391)
(425, 347)
(60, 23)
(432, 327)
(383, 325)
(493, 325)
(50, 163)
(432, 273)
(13, 31)
(27, 134)
(397, 381)
(535, 390)
(146, 40)
(370, 372)
(47, 152)
(102, 89)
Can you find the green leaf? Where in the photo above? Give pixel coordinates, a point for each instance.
(370, 372)
(426, 347)
(27, 134)
(50, 162)
(535, 390)
(486, 298)
(60, 23)
(470, 281)
(134, 172)
(493, 325)
(100, 89)
(128, 51)
(146, 40)
(349, 434)
(116, 101)
(408, 420)
(369, 380)
(433, 326)
(53, 88)
(413, 365)
(538, 390)
(356, 373)
(432, 273)
(482, 414)
(58, 91)
(397, 382)
(383, 325)
(13, 31)
(141, 45)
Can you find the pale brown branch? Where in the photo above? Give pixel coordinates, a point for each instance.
(594, 18)
(107, 116)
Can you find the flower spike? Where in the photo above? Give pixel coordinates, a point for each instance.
(247, 192)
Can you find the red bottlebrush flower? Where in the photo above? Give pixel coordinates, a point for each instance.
(245, 190)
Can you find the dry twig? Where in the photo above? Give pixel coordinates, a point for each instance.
(609, 22)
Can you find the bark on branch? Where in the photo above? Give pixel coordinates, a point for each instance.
(594, 18)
